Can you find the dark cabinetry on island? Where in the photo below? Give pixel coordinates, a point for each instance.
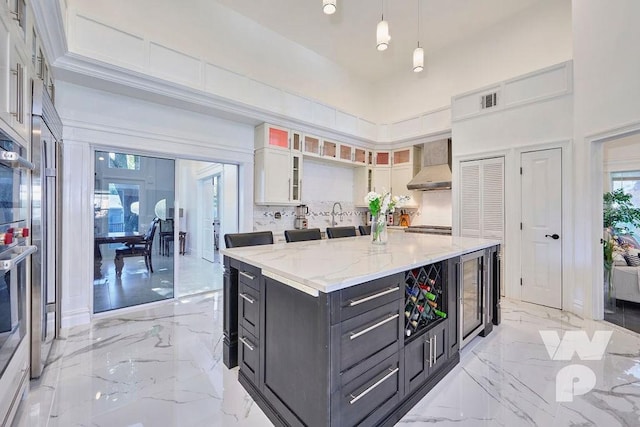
(362, 355)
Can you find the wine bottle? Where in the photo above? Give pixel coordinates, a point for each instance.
(429, 295)
(433, 304)
(414, 323)
(440, 313)
(407, 332)
(413, 292)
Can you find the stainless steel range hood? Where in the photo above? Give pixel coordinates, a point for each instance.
(436, 170)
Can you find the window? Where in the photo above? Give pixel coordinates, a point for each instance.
(629, 182)
(124, 161)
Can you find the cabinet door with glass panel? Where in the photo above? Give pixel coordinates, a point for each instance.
(273, 137)
(312, 145)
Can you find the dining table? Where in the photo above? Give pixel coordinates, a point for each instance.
(124, 237)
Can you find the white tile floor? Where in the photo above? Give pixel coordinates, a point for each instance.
(162, 366)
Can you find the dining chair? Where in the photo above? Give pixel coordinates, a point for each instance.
(165, 236)
(364, 230)
(302, 235)
(237, 240)
(335, 232)
(142, 247)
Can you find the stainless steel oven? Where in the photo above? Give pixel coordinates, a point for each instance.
(14, 258)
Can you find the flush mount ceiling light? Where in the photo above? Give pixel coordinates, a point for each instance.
(418, 53)
(382, 33)
(329, 6)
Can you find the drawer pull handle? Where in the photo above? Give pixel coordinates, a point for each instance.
(389, 374)
(355, 335)
(246, 298)
(247, 343)
(374, 296)
(247, 275)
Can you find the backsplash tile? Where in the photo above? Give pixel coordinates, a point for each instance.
(319, 216)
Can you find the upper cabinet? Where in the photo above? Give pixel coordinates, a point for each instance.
(330, 149)
(362, 156)
(382, 158)
(406, 164)
(269, 136)
(312, 145)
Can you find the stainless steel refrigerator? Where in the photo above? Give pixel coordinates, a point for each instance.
(46, 155)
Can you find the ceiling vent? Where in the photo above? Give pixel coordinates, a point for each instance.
(489, 100)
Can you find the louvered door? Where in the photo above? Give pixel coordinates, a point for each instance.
(482, 198)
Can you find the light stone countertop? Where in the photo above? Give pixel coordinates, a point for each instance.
(333, 264)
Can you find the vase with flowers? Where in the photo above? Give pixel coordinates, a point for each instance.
(379, 206)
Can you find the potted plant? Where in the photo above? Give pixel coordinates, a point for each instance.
(617, 210)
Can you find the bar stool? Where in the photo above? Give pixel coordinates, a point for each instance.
(302, 235)
(335, 232)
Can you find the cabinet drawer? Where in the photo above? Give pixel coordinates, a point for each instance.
(248, 350)
(249, 308)
(375, 391)
(369, 333)
(351, 302)
(249, 275)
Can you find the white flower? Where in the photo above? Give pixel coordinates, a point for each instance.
(371, 196)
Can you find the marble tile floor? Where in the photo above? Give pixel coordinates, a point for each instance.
(137, 285)
(162, 366)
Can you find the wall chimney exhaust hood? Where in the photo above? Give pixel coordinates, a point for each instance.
(436, 170)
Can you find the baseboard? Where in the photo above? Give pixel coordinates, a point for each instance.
(75, 318)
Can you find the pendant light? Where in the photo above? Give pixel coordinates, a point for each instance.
(329, 6)
(382, 33)
(418, 53)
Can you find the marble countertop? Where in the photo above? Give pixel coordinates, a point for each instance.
(329, 265)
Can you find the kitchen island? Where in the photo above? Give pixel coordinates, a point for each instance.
(342, 332)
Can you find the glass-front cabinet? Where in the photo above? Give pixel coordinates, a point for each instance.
(270, 136)
(296, 177)
(329, 149)
(382, 158)
(296, 140)
(361, 156)
(312, 145)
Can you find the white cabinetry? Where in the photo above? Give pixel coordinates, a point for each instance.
(278, 166)
(406, 164)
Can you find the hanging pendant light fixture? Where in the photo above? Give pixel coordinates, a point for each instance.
(418, 53)
(418, 59)
(382, 33)
(329, 6)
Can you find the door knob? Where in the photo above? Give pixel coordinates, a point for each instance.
(553, 236)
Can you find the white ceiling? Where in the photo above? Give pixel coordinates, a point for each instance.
(348, 37)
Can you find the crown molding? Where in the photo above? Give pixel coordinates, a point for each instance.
(49, 22)
(89, 72)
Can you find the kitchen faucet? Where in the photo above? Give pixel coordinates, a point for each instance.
(333, 213)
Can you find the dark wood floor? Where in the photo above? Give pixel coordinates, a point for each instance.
(627, 315)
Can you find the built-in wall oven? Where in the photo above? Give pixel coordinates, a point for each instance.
(14, 258)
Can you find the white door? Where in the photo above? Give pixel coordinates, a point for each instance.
(208, 250)
(541, 254)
